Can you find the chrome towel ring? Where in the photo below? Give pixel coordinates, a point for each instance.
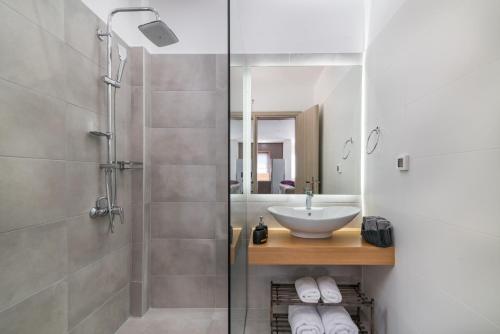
(344, 154)
(374, 131)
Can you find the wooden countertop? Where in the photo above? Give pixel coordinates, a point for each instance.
(235, 243)
(346, 247)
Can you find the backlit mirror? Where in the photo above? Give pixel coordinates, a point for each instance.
(305, 129)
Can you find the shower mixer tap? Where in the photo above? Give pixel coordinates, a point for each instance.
(99, 210)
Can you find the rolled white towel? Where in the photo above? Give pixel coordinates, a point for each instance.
(307, 289)
(304, 319)
(329, 290)
(337, 320)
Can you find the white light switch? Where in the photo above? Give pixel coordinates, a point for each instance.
(403, 162)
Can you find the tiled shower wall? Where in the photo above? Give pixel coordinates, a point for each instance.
(140, 61)
(61, 272)
(189, 181)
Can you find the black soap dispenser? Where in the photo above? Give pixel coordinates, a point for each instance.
(260, 233)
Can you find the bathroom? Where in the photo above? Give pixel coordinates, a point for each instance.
(142, 142)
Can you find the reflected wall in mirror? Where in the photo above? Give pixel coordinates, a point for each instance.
(236, 154)
(306, 123)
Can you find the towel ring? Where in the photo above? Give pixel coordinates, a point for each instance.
(377, 131)
(346, 155)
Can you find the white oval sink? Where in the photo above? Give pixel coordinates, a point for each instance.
(319, 222)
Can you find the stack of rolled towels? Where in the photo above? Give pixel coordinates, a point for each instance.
(324, 287)
(309, 319)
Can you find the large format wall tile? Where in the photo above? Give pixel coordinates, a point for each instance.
(222, 72)
(183, 146)
(184, 109)
(35, 58)
(221, 221)
(137, 132)
(137, 297)
(80, 29)
(183, 183)
(43, 313)
(51, 96)
(183, 72)
(108, 318)
(89, 240)
(94, 284)
(188, 176)
(183, 257)
(48, 14)
(80, 144)
(221, 292)
(182, 291)
(32, 192)
(31, 259)
(183, 220)
(31, 124)
(221, 256)
(83, 183)
(137, 66)
(83, 81)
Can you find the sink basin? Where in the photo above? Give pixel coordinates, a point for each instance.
(319, 222)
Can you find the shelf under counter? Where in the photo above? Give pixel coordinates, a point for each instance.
(345, 247)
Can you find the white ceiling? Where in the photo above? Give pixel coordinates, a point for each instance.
(257, 26)
(297, 26)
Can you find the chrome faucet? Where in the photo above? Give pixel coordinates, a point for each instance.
(309, 196)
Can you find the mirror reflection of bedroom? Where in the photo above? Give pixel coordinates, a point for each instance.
(305, 133)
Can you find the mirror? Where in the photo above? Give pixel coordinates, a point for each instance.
(305, 129)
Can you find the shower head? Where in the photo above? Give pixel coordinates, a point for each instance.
(159, 33)
(122, 54)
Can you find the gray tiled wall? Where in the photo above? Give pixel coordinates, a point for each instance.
(61, 272)
(141, 185)
(189, 181)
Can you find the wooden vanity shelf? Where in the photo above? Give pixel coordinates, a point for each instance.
(235, 243)
(346, 247)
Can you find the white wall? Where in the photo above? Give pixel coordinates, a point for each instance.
(433, 83)
(338, 92)
(236, 133)
(282, 88)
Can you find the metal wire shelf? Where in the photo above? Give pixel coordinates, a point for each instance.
(280, 325)
(353, 299)
(285, 294)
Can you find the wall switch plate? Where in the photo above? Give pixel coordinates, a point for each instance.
(403, 162)
(339, 168)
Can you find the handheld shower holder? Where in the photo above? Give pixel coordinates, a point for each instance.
(111, 82)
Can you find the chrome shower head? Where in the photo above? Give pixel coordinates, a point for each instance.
(122, 54)
(159, 33)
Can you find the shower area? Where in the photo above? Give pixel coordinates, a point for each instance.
(113, 167)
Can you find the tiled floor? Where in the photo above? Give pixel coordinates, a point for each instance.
(177, 321)
(190, 321)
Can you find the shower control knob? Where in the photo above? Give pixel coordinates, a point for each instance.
(101, 207)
